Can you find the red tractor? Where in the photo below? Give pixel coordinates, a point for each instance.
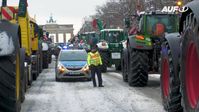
(180, 64)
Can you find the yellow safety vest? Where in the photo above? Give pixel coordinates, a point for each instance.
(94, 59)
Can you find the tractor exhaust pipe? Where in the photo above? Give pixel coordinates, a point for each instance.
(4, 3)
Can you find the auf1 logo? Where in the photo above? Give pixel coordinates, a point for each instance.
(172, 9)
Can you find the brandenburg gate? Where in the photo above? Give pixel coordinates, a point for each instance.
(58, 32)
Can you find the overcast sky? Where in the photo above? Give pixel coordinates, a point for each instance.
(64, 11)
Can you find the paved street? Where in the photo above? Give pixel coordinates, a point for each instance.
(47, 95)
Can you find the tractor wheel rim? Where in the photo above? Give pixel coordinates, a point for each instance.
(165, 76)
(192, 75)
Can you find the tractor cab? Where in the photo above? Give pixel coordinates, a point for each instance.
(152, 27)
(157, 23)
(112, 38)
(113, 35)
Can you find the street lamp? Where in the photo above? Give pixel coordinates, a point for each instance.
(179, 3)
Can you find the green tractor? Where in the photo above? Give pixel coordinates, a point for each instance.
(142, 54)
(110, 46)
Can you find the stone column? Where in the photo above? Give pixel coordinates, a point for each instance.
(52, 38)
(64, 37)
(71, 34)
(57, 37)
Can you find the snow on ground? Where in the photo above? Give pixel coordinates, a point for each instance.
(47, 95)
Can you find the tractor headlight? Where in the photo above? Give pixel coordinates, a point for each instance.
(139, 37)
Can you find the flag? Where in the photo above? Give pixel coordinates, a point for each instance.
(99, 24)
(94, 23)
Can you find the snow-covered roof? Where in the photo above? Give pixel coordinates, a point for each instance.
(112, 30)
(157, 12)
(89, 32)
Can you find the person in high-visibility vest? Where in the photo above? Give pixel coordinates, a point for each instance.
(94, 62)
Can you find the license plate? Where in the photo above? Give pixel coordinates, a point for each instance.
(73, 73)
(116, 45)
(115, 55)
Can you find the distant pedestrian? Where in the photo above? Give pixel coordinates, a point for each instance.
(94, 62)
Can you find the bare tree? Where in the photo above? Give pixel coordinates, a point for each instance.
(113, 12)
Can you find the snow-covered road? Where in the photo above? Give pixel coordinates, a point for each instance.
(47, 95)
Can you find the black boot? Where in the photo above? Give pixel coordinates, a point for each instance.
(101, 86)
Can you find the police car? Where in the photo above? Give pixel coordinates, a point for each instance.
(72, 64)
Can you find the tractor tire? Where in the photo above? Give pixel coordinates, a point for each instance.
(22, 73)
(49, 57)
(26, 77)
(104, 68)
(36, 71)
(189, 74)
(105, 60)
(10, 83)
(40, 64)
(118, 67)
(138, 76)
(40, 58)
(30, 77)
(88, 79)
(169, 80)
(45, 60)
(34, 76)
(57, 79)
(8, 97)
(124, 62)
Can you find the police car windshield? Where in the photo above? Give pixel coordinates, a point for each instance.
(73, 55)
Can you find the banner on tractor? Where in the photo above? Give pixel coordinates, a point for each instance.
(174, 9)
(6, 44)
